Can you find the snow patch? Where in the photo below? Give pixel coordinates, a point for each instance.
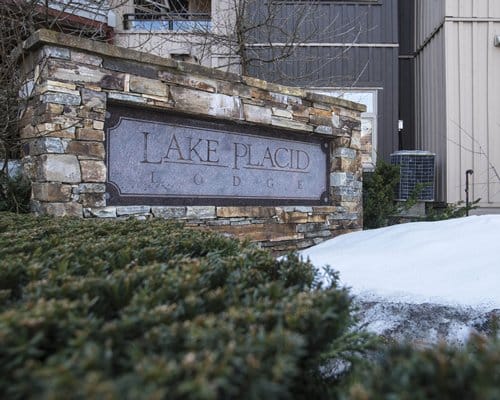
(454, 262)
(422, 282)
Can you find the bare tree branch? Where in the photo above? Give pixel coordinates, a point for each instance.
(480, 147)
(246, 35)
(18, 20)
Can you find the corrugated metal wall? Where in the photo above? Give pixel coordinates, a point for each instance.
(333, 66)
(429, 15)
(371, 63)
(473, 117)
(362, 67)
(329, 21)
(458, 95)
(406, 16)
(430, 88)
(430, 104)
(473, 8)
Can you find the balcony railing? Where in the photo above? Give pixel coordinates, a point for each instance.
(177, 22)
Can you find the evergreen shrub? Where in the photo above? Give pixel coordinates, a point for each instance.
(379, 186)
(441, 212)
(146, 309)
(437, 373)
(15, 192)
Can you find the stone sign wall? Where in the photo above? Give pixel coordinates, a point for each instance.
(111, 132)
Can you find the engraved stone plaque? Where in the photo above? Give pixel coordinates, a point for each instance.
(160, 159)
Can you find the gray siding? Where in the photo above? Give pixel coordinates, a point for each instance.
(406, 27)
(431, 106)
(372, 62)
(407, 102)
(322, 66)
(407, 73)
(429, 16)
(338, 22)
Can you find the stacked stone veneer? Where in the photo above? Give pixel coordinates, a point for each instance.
(71, 82)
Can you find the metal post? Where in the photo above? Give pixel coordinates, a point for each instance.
(467, 173)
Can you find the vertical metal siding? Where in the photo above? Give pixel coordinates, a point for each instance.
(494, 8)
(331, 66)
(406, 22)
(473, 8)
(337, 22)
(493, 101)
(407, 102)
(473, 120)
(429, 15)
(430, 86)
(369, 66)
(360, 67)
(406, 26)
(430, 106)
(458, 93)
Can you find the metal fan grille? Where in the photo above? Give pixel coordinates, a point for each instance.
(416, 168)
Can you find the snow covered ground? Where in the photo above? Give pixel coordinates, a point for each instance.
(452, 266)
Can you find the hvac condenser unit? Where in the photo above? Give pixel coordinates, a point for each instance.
(416, 168)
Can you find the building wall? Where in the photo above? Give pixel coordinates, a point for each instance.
(430, 105)
(429, 16)
(472, 9)
(361, 54)
(457, 95)
(406, 23)
(472, 117)
(181, 44)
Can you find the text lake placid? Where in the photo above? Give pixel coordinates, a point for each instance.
(166, 160)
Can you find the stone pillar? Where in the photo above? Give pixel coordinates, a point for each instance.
(62, 131)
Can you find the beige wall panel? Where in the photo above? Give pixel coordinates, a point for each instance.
(473, 120)
(472, 8)
(431, 106)
(480, 8)
(452, 8)
(453, 140)
(463, 45)
(493, 64)
(494, 8)
(479, 110)
(461, 8)
(465, 8)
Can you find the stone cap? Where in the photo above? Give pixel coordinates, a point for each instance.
(45, 36)
(323, 98)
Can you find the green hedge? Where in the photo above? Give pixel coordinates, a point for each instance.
(379, 186)
(437, 373)
(15, 192)
(146, 309)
